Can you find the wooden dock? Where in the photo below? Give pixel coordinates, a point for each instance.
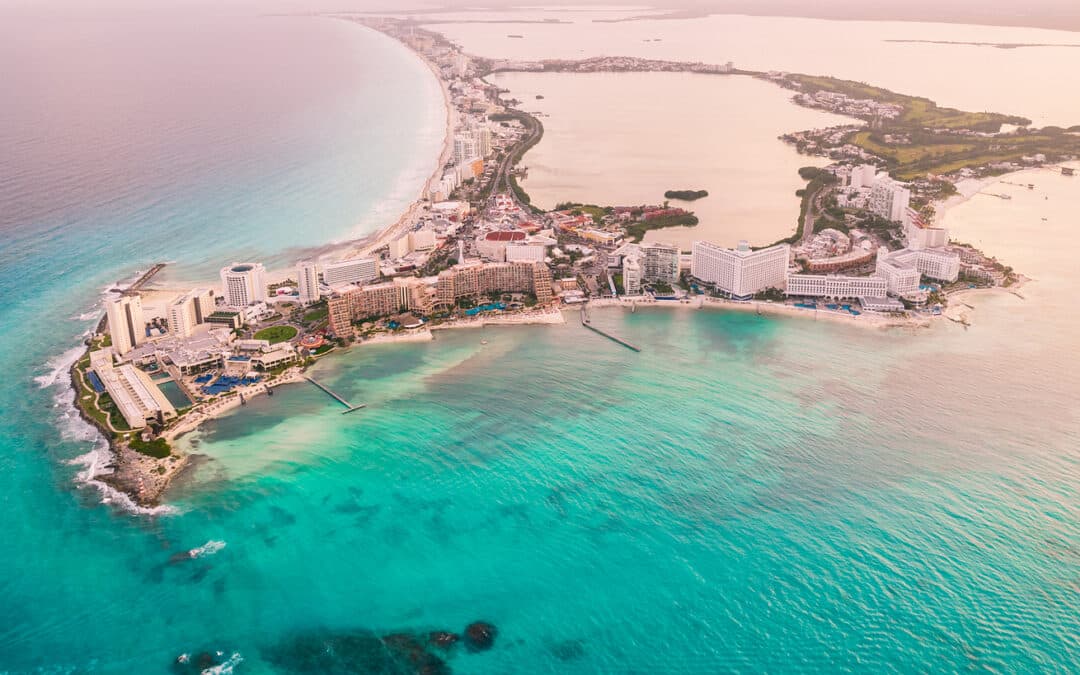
(349, 406)
(614, 338)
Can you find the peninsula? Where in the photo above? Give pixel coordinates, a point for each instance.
(473, 250)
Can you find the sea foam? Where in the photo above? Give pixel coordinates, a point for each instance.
(209, 548)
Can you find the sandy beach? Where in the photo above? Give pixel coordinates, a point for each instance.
(412, 213)
(863, 320)
(206, 412)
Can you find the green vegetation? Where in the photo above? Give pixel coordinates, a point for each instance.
(918, 112)
(771, 294)
(662, 288)
(686, 195)
(618, 279)
(534, 131)
(811, 172)
(636, 231)
(157, 448)
(316, 314)
(819, 181)
(276, 334)
(926, 139)
(597, 213)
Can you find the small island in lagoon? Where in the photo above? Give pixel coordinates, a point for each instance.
(686, 195)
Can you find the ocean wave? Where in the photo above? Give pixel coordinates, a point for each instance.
(59, 367)
(73, 427)
(225, 667)
(95, 464)
(209, 548)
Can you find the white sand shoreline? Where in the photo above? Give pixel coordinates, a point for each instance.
(772, 309)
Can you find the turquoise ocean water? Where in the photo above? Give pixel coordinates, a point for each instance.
(745, 494)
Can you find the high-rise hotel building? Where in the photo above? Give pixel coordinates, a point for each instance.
(307, 282)
(243, 284)
(126, 325)
(740, 272)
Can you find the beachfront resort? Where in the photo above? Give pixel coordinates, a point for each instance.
(474, 250)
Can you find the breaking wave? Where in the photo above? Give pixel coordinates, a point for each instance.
(209, 548)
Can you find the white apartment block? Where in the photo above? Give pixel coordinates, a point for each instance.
(920, 237)
(899, 271)
(465, 149)
(632, 273)
(905, 268)
(243, 284)
(352, 271)
(307, 282)
(126, 324)
(740, 272)
(889, 199)
(862, 176)
(661, 262)
(422, 239)
(938, 264)
(835, 286)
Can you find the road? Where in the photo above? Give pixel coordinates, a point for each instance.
(502, 175)
(812, 212)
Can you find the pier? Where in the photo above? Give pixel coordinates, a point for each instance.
(349, 406)
(614, 338)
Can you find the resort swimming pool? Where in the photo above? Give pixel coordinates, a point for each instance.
(175, 395)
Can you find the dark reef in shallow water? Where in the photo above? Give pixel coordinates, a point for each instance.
(480, 636)
(364, 651)
(568, 650)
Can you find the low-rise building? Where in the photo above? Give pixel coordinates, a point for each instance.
(135, 395)
(279, 355)
(492, 245)
(881, 304)
(835, 286)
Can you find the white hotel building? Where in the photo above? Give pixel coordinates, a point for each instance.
(889, 199)
(740, 272)
(307, 282)
(243, 284)
(905, 268)
(127, 328)
(835, 286)
(353, 271)
(189, 310)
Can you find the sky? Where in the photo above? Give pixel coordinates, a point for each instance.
(1058, 14)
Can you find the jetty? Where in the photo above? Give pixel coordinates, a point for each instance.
(349, 407)
(614, 338)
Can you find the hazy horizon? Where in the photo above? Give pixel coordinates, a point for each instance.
(1050, 14)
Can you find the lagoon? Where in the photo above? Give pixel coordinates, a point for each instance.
(626, 138)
